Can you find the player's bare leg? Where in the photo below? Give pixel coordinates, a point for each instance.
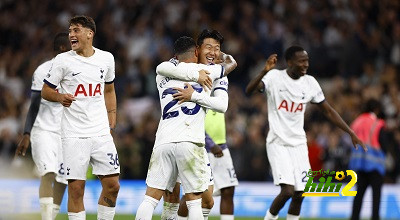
(108, 196)
(207, 203)
(46, 195)
(227, 206)
(76, 190)
(287, 192)
(295, 206)
(183, 211)
(171, 203)
(58, 193)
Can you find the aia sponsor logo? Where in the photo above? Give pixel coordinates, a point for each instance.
(88, 90)
(290, 106)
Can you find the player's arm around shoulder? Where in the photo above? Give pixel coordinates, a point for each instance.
(256, 83)
(181, 71)
(189, 72)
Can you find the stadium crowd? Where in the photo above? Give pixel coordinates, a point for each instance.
(354, 49)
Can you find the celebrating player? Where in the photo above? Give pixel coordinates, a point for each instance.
(288, 92)
(86, 75)
(179, 145)
(224, 177)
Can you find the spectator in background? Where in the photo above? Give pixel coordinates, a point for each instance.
(370, 165)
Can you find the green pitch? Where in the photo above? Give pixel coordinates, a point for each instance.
(125, 217)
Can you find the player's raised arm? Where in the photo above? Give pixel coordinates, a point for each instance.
(256, 83)
(228, 62)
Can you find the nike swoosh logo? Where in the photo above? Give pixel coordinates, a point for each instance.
(74, 74)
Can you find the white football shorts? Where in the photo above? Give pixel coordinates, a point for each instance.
(47, 153)
(210, 173)
(99, 151)
(223, 171)
(184, 158)
(289, 164)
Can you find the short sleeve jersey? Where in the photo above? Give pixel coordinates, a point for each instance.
(287, 99)
(49, 115)
(215, 121)
(182, 122)
(83, 77)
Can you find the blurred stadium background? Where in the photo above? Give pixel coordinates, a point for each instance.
(354, 48)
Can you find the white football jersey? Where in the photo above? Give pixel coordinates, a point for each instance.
(84, 78)
(220, 84)
(287, 99)
(49, 115)
(182, 122)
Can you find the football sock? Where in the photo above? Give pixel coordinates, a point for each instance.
(194, 207)
(56, 210)
(269, 216)
(182, 218)
(206, 212)
(292, 217)
(46, 207)
(170, 210)
(146, 208)
(227, 217)
(105, 213)
(77, 215)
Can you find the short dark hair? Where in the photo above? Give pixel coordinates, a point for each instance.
(61, 39)
(183, 44)
(210, 34)
(85, 21)
(372, 105)
(291, 51)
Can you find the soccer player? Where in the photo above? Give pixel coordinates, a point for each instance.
(370, 165)
(288, 92)
(179, 146)
(43, 128)
(86, 76)
(224, 176)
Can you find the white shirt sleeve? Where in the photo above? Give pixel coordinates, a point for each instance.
(56, 73)
(182, 71)
(216, 71)
(267, 79)
(318, 94)
(37, 78)
(110, 76)
(218, 102)
(219, 99)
